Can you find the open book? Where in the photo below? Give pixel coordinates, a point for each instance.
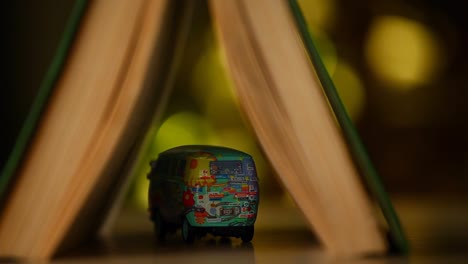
(103, 97)
(107, 92)
(281, 93)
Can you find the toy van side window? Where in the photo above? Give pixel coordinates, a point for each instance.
(180, 168)
(162, 167)
(172, 164)
(250, 169)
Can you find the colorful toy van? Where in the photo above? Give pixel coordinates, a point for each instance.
(203, 189)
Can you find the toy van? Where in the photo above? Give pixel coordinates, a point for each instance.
(203, 189)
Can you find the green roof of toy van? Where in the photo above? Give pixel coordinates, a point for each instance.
(198, 151)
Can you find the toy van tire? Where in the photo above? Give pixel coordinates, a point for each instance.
(247, 234)
(188, 232)
(160, 226)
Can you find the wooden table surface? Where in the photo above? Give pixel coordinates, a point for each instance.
(436, 227)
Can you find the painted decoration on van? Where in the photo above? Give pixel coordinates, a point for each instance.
(198, 173)
(188, 198)
(216, 189)
(224, 191)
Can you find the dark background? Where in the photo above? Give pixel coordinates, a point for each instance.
(416, 134)
(418, 139)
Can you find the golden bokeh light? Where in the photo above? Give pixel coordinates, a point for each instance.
(210, 82)
(140, 197)
(350, 89)
(402, 52)
(327, 50)
(319, 14)
(182, 128)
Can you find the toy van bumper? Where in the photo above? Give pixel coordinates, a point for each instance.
(228, 231)
(203, 219)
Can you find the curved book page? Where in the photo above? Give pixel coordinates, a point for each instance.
(29, 125)
(283, 98)
(365, 165)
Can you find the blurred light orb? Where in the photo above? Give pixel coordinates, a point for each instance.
(350, 89)
(327, 50)
(210, 82)
(319, 14)
(183, 128)
(140, 199)
(237, 138)
(402, 52)
(212, 88)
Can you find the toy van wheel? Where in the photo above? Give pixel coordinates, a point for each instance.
(188, 232)
(247, 234)
(159, 226)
